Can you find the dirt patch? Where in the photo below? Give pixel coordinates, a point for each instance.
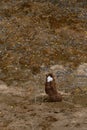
(24, 112)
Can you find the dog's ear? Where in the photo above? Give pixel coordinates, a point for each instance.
(51, 75)
(46, 75)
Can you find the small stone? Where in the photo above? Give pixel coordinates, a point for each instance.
(12, 107)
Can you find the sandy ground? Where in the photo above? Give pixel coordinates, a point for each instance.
(20, 109)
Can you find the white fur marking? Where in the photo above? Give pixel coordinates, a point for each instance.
(49, 78)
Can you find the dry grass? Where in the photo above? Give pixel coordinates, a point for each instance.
(35, 33)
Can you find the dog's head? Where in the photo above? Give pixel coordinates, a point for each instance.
(49, 77)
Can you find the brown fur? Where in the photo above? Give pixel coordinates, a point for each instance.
(51, 90)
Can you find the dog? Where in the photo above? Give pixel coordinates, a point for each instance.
(51, 90)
